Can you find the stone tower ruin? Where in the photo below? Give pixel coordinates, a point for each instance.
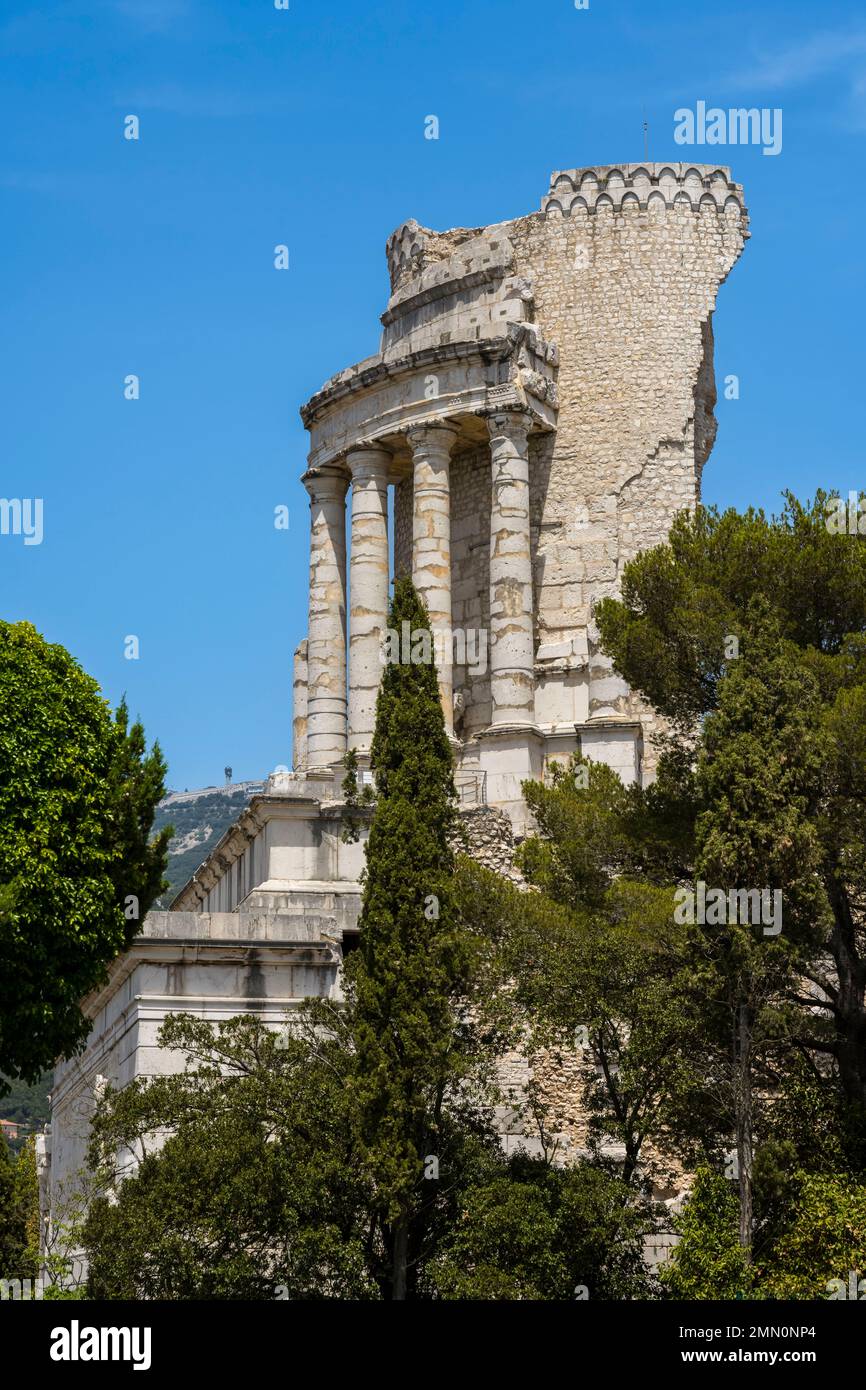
(540, 407)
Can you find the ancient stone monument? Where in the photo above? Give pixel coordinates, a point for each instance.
(540, 407)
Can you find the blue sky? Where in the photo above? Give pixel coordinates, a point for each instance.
(306, 127)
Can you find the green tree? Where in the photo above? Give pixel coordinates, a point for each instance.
(26, 1197)
(593, 963)
(248, 1185)
(77, 795)
(12, 1235)
(685, 607)
(136, 781)
(708, 1262)
(540, 1232)
(758, 776)
(416, 958)
(821, 1252)
(253, 1189)
(814, 1245)
(19, 1213)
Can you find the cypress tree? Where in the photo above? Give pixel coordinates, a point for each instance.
(414, 957)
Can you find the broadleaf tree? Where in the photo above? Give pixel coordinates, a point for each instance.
(77, 869)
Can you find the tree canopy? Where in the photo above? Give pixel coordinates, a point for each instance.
(77, 868)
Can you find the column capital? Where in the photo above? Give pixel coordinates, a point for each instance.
(326, 484)
(432, 433)
(508, 423)
(369, 461)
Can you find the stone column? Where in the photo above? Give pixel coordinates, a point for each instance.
(368, 588)
(512, 646)
(326, 639)
(299, 708)
(431, 543)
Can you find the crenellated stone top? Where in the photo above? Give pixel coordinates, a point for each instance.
(642, 186)
(461, 330)
(420, 258)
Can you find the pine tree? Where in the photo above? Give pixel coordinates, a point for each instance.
(673, 636)
(415, 955)
(758, 769)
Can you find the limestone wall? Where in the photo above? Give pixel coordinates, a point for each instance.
(627, 295)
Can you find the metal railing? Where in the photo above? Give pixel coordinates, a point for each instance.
(471, 784)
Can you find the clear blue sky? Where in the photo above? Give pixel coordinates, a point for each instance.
(306, 127)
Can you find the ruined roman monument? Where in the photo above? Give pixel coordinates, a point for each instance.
(540, 407)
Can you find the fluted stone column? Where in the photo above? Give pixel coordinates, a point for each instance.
(431, 543)
(326, 638)
(368, 588)
(512, 645)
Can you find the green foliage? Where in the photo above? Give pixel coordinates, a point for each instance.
(818, 1235)
(136, 783)
(759, 778)
(538, 1232)
(19, 1213)
(11, 1233)
(693, 1033)
(26, 1103)
(811, 1116)
(356, 1158)
(780, 788)
(339, 1160)
(681, 600)
(255, 1185)
(594, 962)
(824, 1239)
(255, 1190)
(416, 956)
(77, 793)
(708, 1262)
(355, 799)
(26, 1195)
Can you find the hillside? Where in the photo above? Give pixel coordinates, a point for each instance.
(26, 1105)
(200, 819)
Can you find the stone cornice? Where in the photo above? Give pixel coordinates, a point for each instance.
(618, 725)
(234, 842)
(173, 949)
(373, 371)
(380, 401)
